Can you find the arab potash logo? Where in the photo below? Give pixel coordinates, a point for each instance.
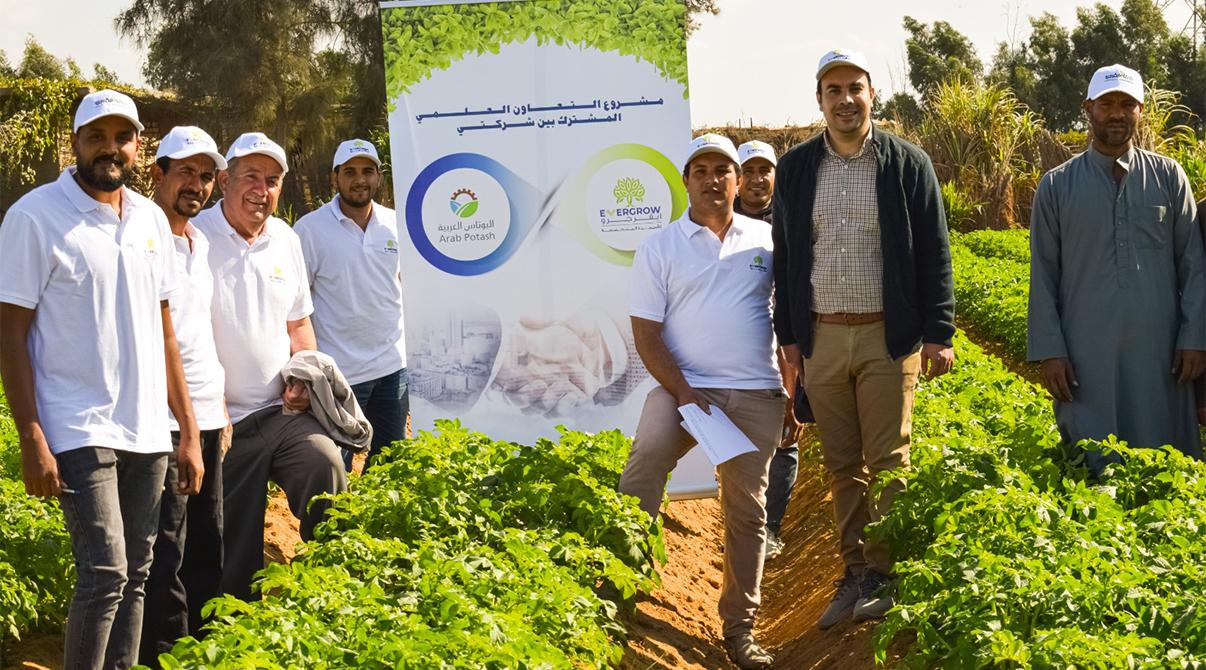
(463, 203)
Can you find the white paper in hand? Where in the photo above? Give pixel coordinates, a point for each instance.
(720, 438)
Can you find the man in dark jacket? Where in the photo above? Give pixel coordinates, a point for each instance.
(863, 304)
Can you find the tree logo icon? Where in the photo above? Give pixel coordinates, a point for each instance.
(463, 203)
(629, 189)
(757, 260)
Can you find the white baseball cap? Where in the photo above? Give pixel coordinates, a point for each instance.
(712, 143)
(186, 141)
(756, 149)
(257, 143)
(355, 149)
(106, 103)
(840, 57)
(1116, 78)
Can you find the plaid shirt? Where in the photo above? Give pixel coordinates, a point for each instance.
(847, 271)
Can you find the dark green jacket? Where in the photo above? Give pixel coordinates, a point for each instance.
(919, 300)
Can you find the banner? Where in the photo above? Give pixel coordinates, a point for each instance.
(535, 144)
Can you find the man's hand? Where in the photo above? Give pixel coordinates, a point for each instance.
(936, 359)
(224, 439)
(1188, 365)
(189, 469)
(793, 430)
(1059, 378)
(791, 354)
(39, 468)
(688, 395)
(296, 396)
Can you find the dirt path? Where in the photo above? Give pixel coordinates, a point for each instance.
(677, 628)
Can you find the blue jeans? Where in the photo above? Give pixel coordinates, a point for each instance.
(112, 517)
(385, 402)
(783, 467)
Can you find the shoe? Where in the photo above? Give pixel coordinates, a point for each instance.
(843, 601)
(874, 596)
(774, 546)
(744, 651)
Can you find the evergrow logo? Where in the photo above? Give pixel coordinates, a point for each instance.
(1120, 75)
(630, 189)
(759, 264)
(463, 203)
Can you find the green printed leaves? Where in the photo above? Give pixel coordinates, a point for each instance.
(420, 40)
(629, 189)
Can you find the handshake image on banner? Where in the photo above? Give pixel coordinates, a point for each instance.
(554, 367)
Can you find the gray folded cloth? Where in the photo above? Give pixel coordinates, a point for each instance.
(331, 399)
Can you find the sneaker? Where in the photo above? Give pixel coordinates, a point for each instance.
(774, 546)
(874, 596)
(746, 653)
(843, 601)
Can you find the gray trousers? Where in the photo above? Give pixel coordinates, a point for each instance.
(295, 453)
(112, 515)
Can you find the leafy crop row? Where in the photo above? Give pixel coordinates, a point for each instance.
(1013, 245)
(36, 570)
(992, 293)
(1010, 557)
(462, 552)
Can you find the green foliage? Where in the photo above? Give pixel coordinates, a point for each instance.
(992, 293)
(1012, 245)
(962, 208)
(939, 54)
(901, 108)
(36, 569)
(986, 142)
(462, 552)
(38, 63)
(36, 117)
(420, 40)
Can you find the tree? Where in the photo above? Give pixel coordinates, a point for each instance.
(938, 54)
(902, 108)
(38, 63)
(6, 69)
(103, 75)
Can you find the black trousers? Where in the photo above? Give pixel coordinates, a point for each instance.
(187, 568)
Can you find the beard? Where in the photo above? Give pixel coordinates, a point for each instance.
(357, 198)
(96, 175)
(187, 210)
(1112, 135)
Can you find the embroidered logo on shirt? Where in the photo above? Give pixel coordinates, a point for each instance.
(758, 264)
(391, 247)
(278, 275)
(150, 251)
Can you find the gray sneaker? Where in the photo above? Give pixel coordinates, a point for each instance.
(774, 546)
(745, 652)
(874, 596)
(843, 601)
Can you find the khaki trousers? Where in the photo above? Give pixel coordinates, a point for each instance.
(863, 402)
(660, 442)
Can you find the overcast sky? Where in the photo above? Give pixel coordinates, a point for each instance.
(755, 60)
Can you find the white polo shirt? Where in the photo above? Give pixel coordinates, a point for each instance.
(257, 289)
(356, 286)
(713, 300)
(194, 330)
(96, 343)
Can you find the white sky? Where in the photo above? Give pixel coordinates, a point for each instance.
(755, 60)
